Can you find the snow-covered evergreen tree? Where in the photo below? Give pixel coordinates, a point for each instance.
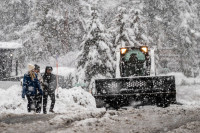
(95, 59)
(129, 29)
(119, 29)
(186, 31)
(138, 28)
(162, 23)
(172, 26)
(45, 35)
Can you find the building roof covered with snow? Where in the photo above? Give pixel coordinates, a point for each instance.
(10, 45)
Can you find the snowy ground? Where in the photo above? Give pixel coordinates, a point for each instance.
(76, 112)
(149, 119)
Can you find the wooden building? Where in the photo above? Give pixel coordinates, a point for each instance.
(169, 60)
(7, 50)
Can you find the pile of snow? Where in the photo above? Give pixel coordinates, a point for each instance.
(11, 100)
(69, 99)
(181, 79)
(188, 95)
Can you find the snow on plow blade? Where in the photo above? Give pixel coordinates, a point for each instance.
(158, 90)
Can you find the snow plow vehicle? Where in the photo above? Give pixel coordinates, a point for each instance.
(135, 85)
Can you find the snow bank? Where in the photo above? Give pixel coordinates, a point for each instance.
(11, 101)
(188, 95)
(69, 99)
(187, 89)
(181, 79)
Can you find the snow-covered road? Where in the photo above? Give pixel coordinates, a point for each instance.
(145, 120)
(76, 112)
(149, 119)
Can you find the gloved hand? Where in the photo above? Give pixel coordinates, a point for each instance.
(23, 96)
(45, 83)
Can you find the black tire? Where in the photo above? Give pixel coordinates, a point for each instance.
(114, 103)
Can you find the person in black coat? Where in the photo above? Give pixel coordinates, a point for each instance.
(49, 87)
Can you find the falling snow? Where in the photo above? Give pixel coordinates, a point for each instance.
(81, 40)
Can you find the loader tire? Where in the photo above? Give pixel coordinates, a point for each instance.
(114, 103)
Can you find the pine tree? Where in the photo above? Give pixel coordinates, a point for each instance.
(119, 30)
(45, 35)
(138, 28)
(171, 25)
(187, 47)
(95, 59)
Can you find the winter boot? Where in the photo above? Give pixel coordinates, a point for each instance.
(44, 112)
(51, 110)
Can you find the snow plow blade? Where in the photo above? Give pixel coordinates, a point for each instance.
(153, 90)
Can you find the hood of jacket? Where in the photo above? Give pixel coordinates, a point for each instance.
(48, 67)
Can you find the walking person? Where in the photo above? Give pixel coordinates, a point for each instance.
(49, 87)
(38, 95)
(30, 87)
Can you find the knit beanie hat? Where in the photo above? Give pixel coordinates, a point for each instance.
(30, 67)
(37, 67)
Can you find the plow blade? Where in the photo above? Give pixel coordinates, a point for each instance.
(154, 90)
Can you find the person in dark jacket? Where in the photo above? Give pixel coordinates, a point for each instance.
(49, 87)
(38, 95)
(30, 86)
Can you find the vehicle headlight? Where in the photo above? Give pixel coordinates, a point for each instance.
(123, 50)
(144, 49)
